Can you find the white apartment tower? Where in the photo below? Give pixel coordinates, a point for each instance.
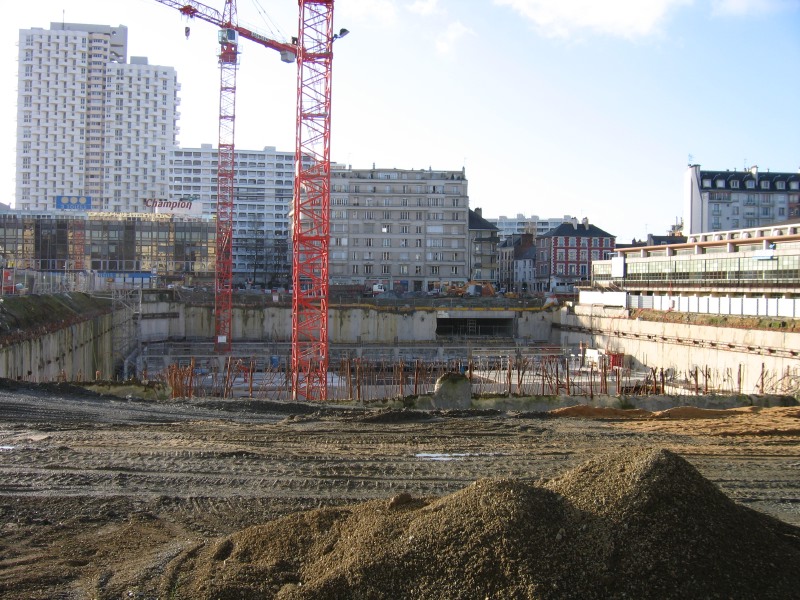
(93, 131)
(510, 226)
(263, 187)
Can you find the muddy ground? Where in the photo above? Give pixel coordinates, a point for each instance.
(99, 494)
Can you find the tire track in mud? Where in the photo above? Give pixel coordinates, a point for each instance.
(74, 446)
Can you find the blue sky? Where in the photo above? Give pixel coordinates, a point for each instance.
(554, 107)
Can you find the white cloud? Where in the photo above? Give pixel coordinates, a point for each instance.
(425, 7)
(624, 18)
(749, 7)
(445, 44)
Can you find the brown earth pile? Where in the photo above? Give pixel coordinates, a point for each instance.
(640, 523)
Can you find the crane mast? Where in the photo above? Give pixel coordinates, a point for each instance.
(229, 34)
(311, 201)
(311, 205)
(223, 288)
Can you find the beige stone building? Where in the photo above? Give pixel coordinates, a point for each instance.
(406, 229)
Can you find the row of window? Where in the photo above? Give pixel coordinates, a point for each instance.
(764, 184)
(735, 270)
(399, 270)
(582, 241)
(388, 242)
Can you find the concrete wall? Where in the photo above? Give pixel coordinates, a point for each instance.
(754, 361)
(164, 319)
(77, 351)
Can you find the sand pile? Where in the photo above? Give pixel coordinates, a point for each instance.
(638, 524)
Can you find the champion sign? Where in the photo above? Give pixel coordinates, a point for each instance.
(182, 206)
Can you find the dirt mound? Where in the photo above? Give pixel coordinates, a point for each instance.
(641, 523)
(396, 415)
(600, 412)
(692, 412)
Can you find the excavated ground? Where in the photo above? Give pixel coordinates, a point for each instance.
(103, 497)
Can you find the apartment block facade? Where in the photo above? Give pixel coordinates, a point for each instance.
(407, 229)
(482, 249)
(509, 251)
(534, 225)
(263, 188)
(725, 200)
(94, 131)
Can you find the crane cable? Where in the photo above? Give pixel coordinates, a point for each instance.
(270, 25)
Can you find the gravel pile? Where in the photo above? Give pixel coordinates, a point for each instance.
(638, 524)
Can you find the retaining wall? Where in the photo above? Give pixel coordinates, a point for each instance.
(76, 352)
(735, 360)
(165, 319)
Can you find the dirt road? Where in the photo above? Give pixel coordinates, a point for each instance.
(98, 494)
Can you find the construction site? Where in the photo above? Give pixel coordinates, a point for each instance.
(205, 442)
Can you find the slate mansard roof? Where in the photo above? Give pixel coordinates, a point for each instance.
(741, 177)
(581, 230)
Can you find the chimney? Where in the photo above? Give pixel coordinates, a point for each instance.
(585, 223)
(479, 212)
(754, 171)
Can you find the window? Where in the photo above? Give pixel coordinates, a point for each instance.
(720, 183)
(765, 185)
(434, 270)
(386, 269)
(750, 184)
(706, 183)
(735, 184)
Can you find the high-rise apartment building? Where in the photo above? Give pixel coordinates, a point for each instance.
(263, 187)
(725, 200)
(407, 229)
(94, 131)
(508, 226)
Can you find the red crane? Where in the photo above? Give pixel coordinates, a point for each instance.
(228, 62)
(311, 203)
